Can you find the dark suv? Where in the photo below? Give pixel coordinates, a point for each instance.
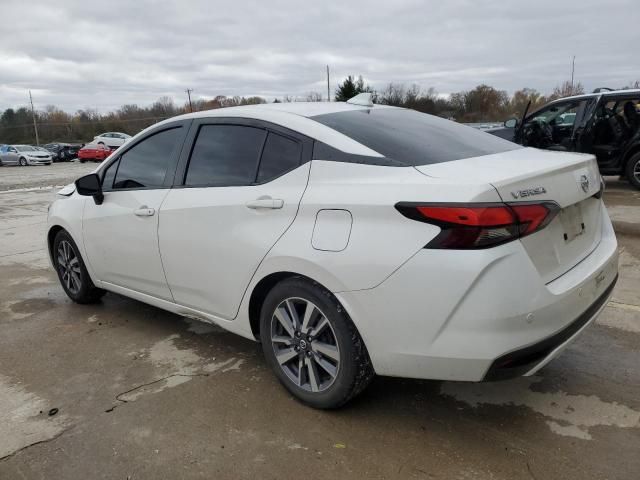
(605, 123)
(62, 152)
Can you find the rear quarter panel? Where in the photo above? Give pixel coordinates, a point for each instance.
(381, 239)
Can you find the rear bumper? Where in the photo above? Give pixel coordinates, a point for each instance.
(528, 360)
(458, 315)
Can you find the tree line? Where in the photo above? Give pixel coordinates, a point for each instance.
(483, 103)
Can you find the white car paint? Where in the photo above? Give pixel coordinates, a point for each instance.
(112, 139)
(424, 313)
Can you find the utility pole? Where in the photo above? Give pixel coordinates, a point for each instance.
(33, 113)
(189, 90)
(328, 90)
(573, 68)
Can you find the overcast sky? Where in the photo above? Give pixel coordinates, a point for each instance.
(83, 54)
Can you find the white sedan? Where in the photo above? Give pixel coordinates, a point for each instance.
(111, 139)
(349, 239)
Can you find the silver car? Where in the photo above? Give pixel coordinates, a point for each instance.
(24, 155)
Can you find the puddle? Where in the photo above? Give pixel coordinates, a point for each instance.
(176, 366)
(202, 328)
(21, 422)
(571, 415)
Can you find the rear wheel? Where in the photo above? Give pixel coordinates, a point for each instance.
(72, 272)
(312, 345)
(633, 170)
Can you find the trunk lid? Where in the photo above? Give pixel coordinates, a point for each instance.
(530, 175)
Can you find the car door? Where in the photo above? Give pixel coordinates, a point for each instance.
(10, 156)
(120, 235)
(240, 187)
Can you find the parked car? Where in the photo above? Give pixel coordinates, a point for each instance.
(350, 239)
(604, 123)
(112, 139)
(23, 155)
(63, 152)
(96, 152)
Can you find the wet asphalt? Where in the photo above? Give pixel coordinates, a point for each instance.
(124, 390)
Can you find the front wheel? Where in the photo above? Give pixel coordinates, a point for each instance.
(633, 170)
(312, 345)
(23, 162)
(72, 272)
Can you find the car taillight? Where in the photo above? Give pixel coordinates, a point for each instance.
(480, 225)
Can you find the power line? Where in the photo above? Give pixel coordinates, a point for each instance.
(84, 122)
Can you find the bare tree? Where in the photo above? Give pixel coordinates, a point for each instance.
(313, 97)
(393, 94)
(567, 89)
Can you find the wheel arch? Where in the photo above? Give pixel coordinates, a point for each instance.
(259, 294)
(267, 283)
(51, 235)
(629, 155)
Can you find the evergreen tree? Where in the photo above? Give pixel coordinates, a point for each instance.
(351, 87)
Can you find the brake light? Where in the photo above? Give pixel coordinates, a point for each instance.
(480, 225)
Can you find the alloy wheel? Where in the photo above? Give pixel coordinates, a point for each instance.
(636, 171)
(69, 267)
(305, 344)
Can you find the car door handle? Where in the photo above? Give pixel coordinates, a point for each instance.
(266, 202)
(144, 211)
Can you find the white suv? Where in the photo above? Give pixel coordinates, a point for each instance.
(350, 239)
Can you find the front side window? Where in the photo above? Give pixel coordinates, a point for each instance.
(225, 155)
(280, 155)
(110, 175)
(145, 165)
(558, 114)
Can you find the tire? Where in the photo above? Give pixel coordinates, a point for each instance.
(336, 344)
(23, 162)
(633, 170)
(82, 160)
(72, 273)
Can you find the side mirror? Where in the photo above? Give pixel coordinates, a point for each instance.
(511, 123)
(90, 186)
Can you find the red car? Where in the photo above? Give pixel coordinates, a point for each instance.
(93, 151)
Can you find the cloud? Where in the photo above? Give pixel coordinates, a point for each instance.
(78, 54)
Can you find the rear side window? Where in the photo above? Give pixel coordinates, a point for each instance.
(413, 138)
(146, 164)
(225, 155)
(280, 155)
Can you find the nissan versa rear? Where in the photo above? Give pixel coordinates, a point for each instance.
(349, 239)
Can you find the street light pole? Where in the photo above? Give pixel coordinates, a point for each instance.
(328, 90)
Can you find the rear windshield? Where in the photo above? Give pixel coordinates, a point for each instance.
(413, 138)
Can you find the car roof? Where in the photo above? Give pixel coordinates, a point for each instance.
(604, 93)
(293, 115)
